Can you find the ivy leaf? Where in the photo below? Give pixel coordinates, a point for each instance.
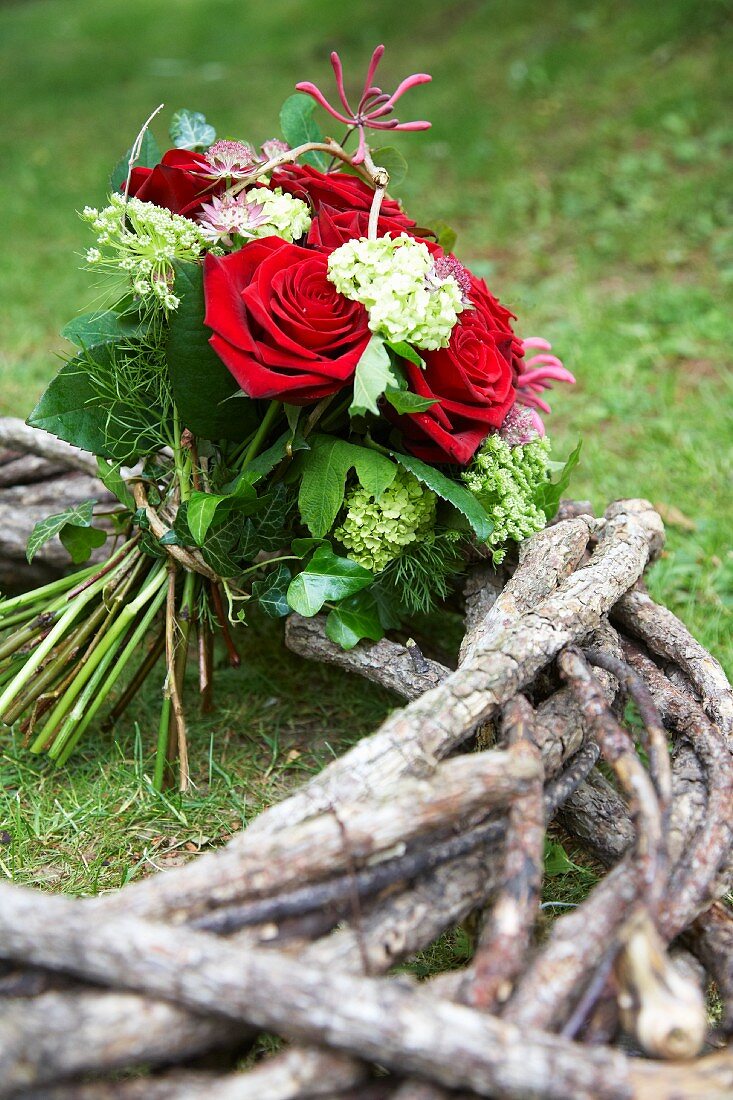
(148, 157)
(219, 550)
(326, 577)
(404, 401)
(446, 236)
(269, 531)
(403, 350)
(549, 494)
(112, 479)
(373, 374)
(392, 161)
(204, 508)
(80, 541)
(190, 130)
(323, 483)
(271, 592)
(201, 383)
(354, 618)
(298, 127)
(449, 490)
(302, 547)
(91, 329)
(79, 515)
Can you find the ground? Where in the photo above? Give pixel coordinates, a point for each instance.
(579, 150)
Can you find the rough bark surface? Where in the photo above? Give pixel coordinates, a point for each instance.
(294, 926)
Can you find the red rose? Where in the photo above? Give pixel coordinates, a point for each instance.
(279, 325)
(335, 189)
(472, 380)
(331, 228)
(176, 183)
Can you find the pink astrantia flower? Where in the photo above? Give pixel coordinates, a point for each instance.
(536, 375)
(228, 216)
(520, 426)
(230, 160)
(445, 267)
(373, 106)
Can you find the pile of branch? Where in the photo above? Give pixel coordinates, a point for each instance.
(295, 928)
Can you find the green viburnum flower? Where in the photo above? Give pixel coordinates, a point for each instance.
(505, 479)
(143, 240)
(376, 531)
(396, 280)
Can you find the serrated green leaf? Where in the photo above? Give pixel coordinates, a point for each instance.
(455, 494)
(323, 482)
(354, 618)
(148, 157)
(202, 385)
(326, 577)
(550, 494)
(446, 236)
(112, 479)
(91, 329)
(392, 161)
(71, 410)
(190, 130)
(79, 515)
(299, 126)
(272, 592)
(372, 376)
(403, 350)
(405, 401)
(80, 541)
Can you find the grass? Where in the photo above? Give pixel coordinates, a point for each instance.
(580, 152)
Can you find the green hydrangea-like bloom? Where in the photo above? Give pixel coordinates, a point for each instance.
(375, 532)
(396, 281)
(145, 251)
(505, 480)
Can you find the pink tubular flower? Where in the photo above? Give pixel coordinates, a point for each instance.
(373, 105)
(535, 375)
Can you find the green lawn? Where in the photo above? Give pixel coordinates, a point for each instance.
(580, 152)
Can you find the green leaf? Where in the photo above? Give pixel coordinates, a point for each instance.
(272, 592)
(190, 130)
(91, 329)
(403, 350)
(404, 401)
(301, 547)
(204, 508)
(269, 530)
(323, 483)
(446, 237)
(550, 494)
(326, 577)
(451, 491)
(148, 158)
(80, 541)
(71, 410)
(220, 549)
(392, 161)
(298, 127)
(354, 618)
(201, 383)
(373, 374)
(79, 515)
(112, 479)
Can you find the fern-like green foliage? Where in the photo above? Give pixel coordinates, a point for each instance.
(422, 575)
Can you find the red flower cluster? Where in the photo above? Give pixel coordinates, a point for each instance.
(285, 333)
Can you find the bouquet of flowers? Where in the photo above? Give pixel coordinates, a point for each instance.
(300, 399)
